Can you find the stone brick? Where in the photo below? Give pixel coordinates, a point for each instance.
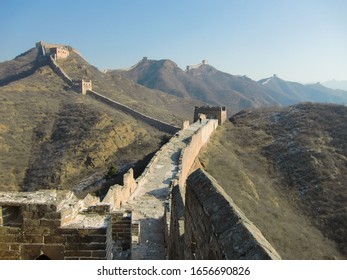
(52, 239)
(9, 255)
(29, 223)
(30, 251)
(78, 253)
(4, 230)
(52, 216)
(99, 254)
(9, 238)
(54, 252)
(68, 231)
(86, 239)
(50, 223)
(4, 247)
(14, 230)
(32, 238)
(92, 246)
(14, 247)
(95, 232)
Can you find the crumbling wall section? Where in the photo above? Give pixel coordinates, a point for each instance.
(117, 195)
(57, 226)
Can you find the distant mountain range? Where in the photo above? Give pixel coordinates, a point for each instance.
(304, 93)
(206, 83)
(336, 84)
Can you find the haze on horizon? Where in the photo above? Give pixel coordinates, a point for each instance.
(303, 41)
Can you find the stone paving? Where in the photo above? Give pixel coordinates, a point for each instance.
(148, 200)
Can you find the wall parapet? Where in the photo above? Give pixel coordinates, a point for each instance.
(117, 195)
(59, 71)
(186, 161)
(163, 126)
(215, 228)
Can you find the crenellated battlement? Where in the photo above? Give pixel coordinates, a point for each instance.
(219, 113)
(190, 67)
(57, 51)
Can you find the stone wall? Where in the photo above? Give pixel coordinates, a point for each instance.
(165, 127)
(117, 195)
(185, 124)
(177, 207)
(86, 86)
(46, 224)
(191, 151)
(175, 239)
(215, 228)
(59, 71)
(59, 53)
(122, 234)
(219, 113)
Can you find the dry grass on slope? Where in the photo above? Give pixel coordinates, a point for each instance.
(153, 103)
(239, 157)
(48, 132)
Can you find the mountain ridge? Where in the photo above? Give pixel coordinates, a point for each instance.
(305, 93)
(214, 87)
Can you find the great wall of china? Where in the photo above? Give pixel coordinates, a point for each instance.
(169, 212)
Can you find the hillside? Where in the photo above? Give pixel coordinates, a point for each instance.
(52, 137)
(21, 66)
(153, 103)
(286, 169)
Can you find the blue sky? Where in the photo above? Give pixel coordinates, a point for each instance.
(299, 40)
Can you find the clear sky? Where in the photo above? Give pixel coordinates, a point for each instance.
(299, 40)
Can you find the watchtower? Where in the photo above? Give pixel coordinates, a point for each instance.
(219, 113)
(85, 86)
(59, 52)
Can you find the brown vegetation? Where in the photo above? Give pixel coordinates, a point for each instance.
(286, 169)
(51, 137)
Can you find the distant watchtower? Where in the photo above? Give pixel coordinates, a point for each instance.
(219, 113)
(85, 86)
(59, 53)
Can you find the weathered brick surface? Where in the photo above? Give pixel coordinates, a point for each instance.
(40, 232)
(121, 231)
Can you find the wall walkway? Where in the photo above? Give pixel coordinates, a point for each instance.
(150, 200)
